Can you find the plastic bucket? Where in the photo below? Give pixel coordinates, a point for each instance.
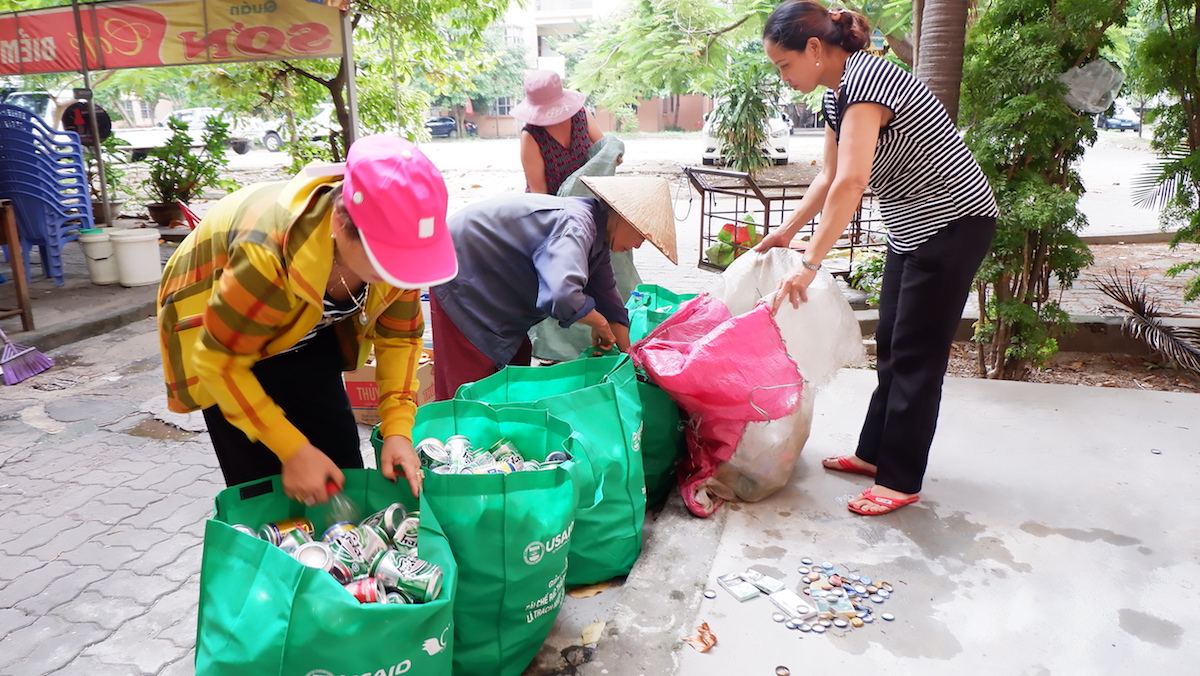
(98, 251)
(138, 260)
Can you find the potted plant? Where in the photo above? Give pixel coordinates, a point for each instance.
(180, 174)
(115, 163)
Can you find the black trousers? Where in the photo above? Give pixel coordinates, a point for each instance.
(920, 305)
(307, 384)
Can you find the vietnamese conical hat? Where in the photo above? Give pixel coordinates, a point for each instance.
(644, 201)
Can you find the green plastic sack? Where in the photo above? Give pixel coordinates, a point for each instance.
(512, 532)
(649, 305)
(663, 442)
(598, 398)
(262, 612)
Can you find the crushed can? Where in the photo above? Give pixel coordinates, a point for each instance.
(387, 518)
(431, 452)
(318, 555)
(418, 578)
(292, 540)
(374, 541)
(274, 531)
(367, 590)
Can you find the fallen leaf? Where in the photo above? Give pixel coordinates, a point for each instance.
(589, 591)
(702, 640)
(592, 632)
(476, 185)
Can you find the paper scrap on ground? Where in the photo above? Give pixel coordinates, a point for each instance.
(589, 591)
(703, 639)
(592, 632)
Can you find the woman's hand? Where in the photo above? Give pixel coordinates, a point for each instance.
(603, 337)
(306, 473)
(398, 451)
(777, 238)
(793, 287)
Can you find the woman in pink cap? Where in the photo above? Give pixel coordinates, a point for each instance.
(557, 134)
(280, 288)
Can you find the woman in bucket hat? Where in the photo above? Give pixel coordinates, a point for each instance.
(557, 134)
(280, 288)
(526, 258)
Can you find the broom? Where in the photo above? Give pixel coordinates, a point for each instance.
(20, 361)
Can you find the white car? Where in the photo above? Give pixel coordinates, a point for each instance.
(775, 146)
(316, 128)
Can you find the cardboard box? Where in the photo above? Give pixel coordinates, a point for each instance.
(364, 393)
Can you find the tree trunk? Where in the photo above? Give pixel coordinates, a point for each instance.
(943, 36)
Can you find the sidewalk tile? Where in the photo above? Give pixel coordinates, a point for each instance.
(63, 591)
(109, 612)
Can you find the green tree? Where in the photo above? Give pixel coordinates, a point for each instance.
(1168, 62)
(495, 70)
(1028, 142)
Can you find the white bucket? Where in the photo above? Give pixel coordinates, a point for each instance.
(101, 262)
(139, 262)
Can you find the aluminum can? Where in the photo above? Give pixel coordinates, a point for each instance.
(497, 467)
(405, 540)
(398, 597)
(445, 469)
(458, 448)
(318, 555)
(387, 518)
(505, 450)
(348, 550)
(337, 530)
(418, 578)
(293, 539)
(530, 466)
(374, 540)
(367, 590)
(555, 457)
(243, 528)
(431, 452)
(274, 531)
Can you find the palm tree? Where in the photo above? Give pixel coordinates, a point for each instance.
(943, 33)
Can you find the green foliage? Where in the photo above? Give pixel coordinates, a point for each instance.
(116, 166)
(866, 274)
(744, 97)
(661, 47)
(1168, 62)
(1029, 142)
(179, 173)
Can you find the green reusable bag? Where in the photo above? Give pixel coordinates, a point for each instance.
(598, 398)
(663, 443)
(512, 532)
(649, 305)
(263, 612)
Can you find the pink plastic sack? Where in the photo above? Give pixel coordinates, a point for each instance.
(726, 372)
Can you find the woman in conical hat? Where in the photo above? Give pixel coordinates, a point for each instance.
(525, 258)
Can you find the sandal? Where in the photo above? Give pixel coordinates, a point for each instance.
(846, 465)
(890, 504)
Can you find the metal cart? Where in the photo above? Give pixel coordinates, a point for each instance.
(736, 211)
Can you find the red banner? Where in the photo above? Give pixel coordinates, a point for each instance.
(125, 34)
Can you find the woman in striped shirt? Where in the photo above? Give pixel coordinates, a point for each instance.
(887, 132)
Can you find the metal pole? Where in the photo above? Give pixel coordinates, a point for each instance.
(351, 82)
(96, 147)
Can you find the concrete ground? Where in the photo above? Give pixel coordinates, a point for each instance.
(1054, 534)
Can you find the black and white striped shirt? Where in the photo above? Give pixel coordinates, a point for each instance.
(923, 173)
(334, 311)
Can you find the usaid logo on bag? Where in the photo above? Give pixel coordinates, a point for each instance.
(432, 646)
(536, 550)
(637, 437)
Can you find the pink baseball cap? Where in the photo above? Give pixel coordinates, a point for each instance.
(397, 200)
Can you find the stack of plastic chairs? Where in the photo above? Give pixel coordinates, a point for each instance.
(42, 172)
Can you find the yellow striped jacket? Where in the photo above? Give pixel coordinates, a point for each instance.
(249, 283)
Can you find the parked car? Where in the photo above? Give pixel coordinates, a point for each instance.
(447, 127)
(775, 145)
(197, 118)
(1120, 122)
(316, 128)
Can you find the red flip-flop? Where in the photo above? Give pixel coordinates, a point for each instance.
(846, 465)
(890, 504)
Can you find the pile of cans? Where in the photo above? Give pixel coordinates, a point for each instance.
(375, 560)
(841, 600)
(457, 456)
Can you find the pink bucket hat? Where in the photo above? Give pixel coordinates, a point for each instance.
(397, 200)
(546, 102)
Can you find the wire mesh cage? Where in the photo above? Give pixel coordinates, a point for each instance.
(736, 211)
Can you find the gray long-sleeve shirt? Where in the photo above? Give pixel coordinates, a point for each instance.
(523, 258)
